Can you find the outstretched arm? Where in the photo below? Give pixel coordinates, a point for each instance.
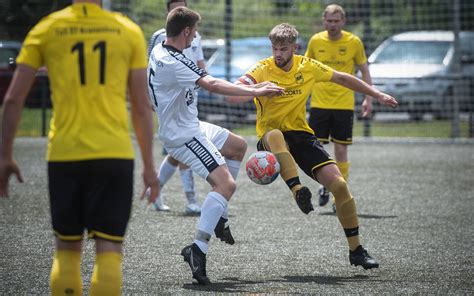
(142, 118)
(360, 86)
(367, 103)
(20, 85)
(224, 87)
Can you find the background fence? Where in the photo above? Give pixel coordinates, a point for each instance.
(436, 103)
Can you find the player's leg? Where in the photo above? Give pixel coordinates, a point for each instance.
(167, 169)
(206, 161)
(320, 120)
(109, 198)
(330, 177)
(275, 142)
(233, 148)
(192, 206)
(341, 135)
(65, 276)
(65, 200)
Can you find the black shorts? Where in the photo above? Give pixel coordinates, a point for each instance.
(305, 148)
(331, 122)
(92, 195)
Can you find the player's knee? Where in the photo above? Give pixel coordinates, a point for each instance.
(226, 188)
(339, 189)
(240, 148)
(275, 140)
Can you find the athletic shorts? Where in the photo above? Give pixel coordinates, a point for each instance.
(333, 123)
(92, 195)
(201, 153)
(307, 151)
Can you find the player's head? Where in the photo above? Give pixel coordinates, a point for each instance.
(334, 19)
(283, 38)
(172, 4)
(182, 21)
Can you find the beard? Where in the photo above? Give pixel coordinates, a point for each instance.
(282, 63)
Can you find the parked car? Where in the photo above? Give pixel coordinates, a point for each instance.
(9, 50)
(417, 68)
(245, 53)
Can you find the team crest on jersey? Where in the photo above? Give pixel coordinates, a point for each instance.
(189, 97)
(299, 78)
(342, 50)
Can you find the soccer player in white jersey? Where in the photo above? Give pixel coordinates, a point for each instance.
(169, 164)
(212, 152)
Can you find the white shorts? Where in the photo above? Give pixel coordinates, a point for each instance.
(201, 153)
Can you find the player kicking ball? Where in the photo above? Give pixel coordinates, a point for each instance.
(212, 152)
(283, 130)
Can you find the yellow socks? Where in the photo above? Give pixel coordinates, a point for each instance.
(275, 141)
(107, 274)
(65, 278)
(344, 169)
(346, 211)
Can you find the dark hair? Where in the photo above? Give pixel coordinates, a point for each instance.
(180, 18)
(168, 3)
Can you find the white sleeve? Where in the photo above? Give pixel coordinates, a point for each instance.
(187, 72)
(199, 54)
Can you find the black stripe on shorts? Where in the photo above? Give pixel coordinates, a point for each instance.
(204, 155)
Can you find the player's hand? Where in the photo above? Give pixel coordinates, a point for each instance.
(269, 90)
(7, 168)
(388, 100)
(367, 107)
(152, 186)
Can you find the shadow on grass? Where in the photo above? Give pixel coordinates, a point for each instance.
(234, 285)
(364, 216)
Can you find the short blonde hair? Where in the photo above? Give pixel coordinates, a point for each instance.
(334, 8)
(283, 33)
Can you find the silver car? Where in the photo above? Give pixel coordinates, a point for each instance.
(418, 69)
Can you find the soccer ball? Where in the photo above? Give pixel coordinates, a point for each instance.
(262, 167)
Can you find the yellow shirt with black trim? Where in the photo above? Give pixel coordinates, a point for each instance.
(286, 112)
(88, 53)
(342, 55)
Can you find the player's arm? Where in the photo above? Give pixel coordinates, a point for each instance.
(142, 119)
(13, 102)
(201, 64)
(360, 86)
(367, 103)
(224, 87)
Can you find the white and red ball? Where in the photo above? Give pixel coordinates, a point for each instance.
(262, 167)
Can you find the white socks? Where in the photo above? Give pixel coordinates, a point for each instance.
(166, 171)
(188, 184)
(212, 209)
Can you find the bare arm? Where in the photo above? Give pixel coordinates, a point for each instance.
(367, 103)
(201, 64)
(20, 85)
(142, 118)
(360, 86)
(224, 87)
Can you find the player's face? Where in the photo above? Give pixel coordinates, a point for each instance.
(333, 23)
(283, 54)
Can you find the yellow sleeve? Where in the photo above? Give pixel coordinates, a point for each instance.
(360, 57)
(255, 74)
(322, 73)
(30, 53)
(309, 50)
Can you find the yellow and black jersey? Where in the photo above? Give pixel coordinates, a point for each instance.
(342, 55)
(88, 53)
(286, 112)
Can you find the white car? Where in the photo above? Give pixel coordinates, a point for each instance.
(418, 69)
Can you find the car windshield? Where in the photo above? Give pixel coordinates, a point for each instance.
(243, 57)
(413, 52)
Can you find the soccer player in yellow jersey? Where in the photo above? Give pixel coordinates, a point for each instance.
(92, 55)
(282, 128)
(332, 105)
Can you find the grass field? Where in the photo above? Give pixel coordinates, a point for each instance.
(415, 204)
(31, 125)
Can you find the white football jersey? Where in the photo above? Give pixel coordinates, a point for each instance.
(194, 52)
(173, 91)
